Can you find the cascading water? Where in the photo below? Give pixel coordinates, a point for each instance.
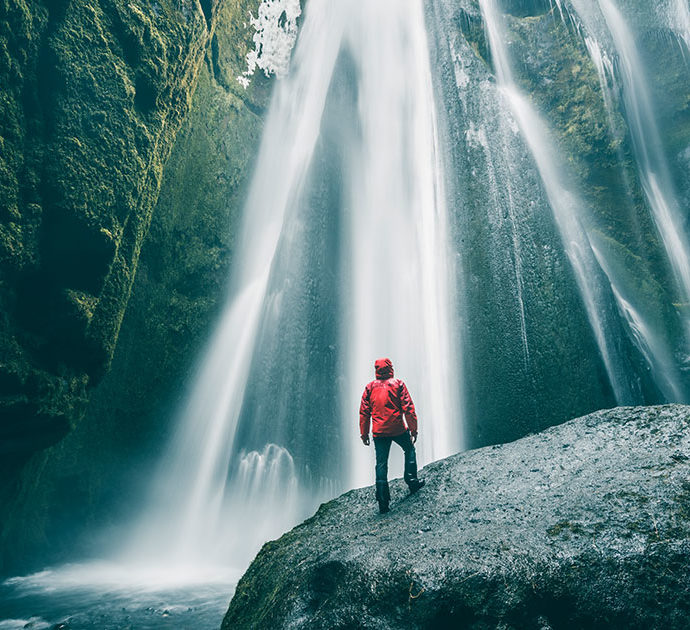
(607, 30)
(189, 498)
(358, 95)
(399, 269)
(647, 143)
(568, 212)
(345, 255)
(678, 20)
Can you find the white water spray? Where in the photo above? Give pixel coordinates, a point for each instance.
(679, 22)
(399, 269)
(644, 330)
(186, 518)
(568, 209)
(652, 163)
(606, 39)
(396, 287)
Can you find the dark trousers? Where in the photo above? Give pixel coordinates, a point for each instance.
(383, 447)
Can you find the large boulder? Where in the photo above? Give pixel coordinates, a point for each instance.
(582, 526)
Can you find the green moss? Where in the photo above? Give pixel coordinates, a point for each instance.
(92, 95)
(472, 28)
(84, 303)
(565, 529)
(558, 74)
(635, 278)
(163, 231)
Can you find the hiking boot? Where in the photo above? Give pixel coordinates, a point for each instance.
(416, 484)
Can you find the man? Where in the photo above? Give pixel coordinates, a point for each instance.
(384, 402)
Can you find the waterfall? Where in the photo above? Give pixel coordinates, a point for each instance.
(399, 268)
(609, 38)
(343, 256)
(679, 22)
(648, 149)
(569, 213)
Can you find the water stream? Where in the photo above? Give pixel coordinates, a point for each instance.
(569, 212)
(379, 222)
(343, 256)
(653, 167)
(625, 84)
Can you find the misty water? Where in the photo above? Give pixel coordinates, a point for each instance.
(409, 200)
(234, 475)
(107, 596)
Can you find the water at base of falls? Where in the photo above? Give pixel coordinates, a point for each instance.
(269, 429)
(153, 586)
(102, 596)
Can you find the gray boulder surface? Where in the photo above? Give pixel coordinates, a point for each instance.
(584, 525)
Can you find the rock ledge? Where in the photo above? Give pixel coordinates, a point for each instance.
(584, 525)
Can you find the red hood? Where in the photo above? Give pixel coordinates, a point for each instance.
(384, 369)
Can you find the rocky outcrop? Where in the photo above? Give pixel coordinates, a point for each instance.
(92, 95)
(171, 169)
(585, 525)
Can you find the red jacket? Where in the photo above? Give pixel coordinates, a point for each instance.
(383, 402)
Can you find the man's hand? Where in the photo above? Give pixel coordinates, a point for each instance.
(365, 440)
(413, 437)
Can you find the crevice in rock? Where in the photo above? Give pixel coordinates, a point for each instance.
(215, 65)
(145, 94)
(207, 8)
(129, 44)
(472, 29)
(73, 253)
(26, 428)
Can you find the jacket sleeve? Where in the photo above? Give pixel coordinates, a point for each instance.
(408, 408)
(365, 412)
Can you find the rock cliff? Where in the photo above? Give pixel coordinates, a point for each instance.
(584, 525)
(124, 150)
(93, 94)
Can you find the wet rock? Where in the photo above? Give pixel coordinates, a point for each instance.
(93, 95)
(584, 525)
(93, 203)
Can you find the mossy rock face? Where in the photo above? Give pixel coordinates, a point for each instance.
(92, 95)
(181, 275)
(554, 68)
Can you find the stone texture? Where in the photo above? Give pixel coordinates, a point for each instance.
(164, 177)
(584, 525)
(92, 95)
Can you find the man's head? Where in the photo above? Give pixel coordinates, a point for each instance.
(384, 369)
